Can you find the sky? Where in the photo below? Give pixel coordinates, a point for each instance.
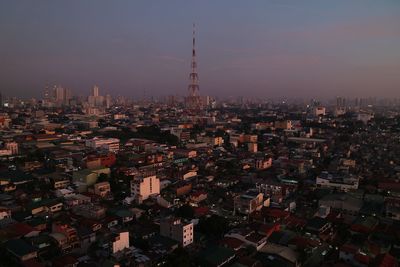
(258, 48)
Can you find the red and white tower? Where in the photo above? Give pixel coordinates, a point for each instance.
(193, 100)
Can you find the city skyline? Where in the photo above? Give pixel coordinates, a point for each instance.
(267, 49)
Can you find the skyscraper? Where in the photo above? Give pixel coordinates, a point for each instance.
(95, 91)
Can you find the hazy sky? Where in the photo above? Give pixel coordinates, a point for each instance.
(274, 48)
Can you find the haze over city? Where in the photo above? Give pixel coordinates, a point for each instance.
(258, 48)
(200, 133)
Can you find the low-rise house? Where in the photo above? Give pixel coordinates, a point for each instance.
(110, 222)
(248, 236)
(183, 188)
(198, 196)
(342, 202)
(167, 200)
(87, 236)
(102, 189)
(22, 229)
(42, 243)
(64, 193)
(90, 176)
(109, 144)
(5, 213)
(277, 255)
(65, 235)
(124, 215)
(46, 205)
(20, 250)
(90, 211)
(76, 200)
(364, 224)
(320, 227)
(340, 182)
(249, 202)
(60, 183)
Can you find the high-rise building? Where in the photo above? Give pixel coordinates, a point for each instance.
(95, 99)
(95, 91)
(61, 95)
(108, 101)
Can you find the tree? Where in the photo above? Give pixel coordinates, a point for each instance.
(185, 211)
(102, 177)
(180, 257)
(213, 226)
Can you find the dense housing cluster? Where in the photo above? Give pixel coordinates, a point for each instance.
(108, 182)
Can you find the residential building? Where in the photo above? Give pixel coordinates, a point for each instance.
(144, 187)
(249, 202)
(176, 229)
(109, 144)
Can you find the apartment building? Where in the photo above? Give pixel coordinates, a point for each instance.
(177, 230)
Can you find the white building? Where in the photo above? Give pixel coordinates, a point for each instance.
(120, 242)
(344, 183)
(144, 187)
(110, 144)
(320, 111)
(177, 230)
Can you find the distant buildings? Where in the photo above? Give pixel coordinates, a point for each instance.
(131, 186)
(109, 144)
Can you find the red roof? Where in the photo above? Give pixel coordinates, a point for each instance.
(276, 213)
(201, 211)
(385, 260)
(268, 229)
(21, 229)
(32, 263)
(362, 258)
(65, 260)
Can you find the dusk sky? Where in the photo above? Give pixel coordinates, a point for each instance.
(266, 48)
